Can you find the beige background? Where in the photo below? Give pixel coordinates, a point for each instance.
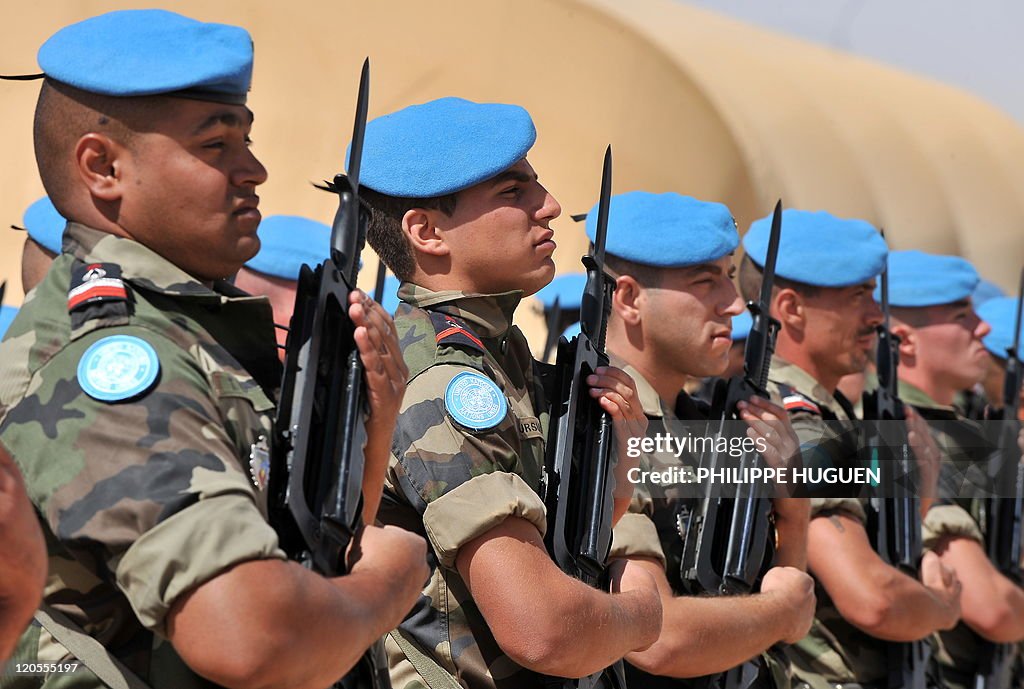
(691, 102)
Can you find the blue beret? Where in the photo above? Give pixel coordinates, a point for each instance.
(741, 325)
(567, 288)
(44, 224)
(1000, 313)
(666, 230)
(984, 291)
(443, 146)
(920, 279)
(288, 241)
(7, 314)
(390, 299)
(150, 52)
(819, 249)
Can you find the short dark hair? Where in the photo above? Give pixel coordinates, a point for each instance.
(64, 114)
(751, 274)
(646, 275)
(384, 230)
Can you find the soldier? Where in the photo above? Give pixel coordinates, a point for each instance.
(941, 353)
(823, 298)
(286, 243)
(999, 313)
(671, 320)
(137, 382)
(24, 560)
(44, 226)
(459, 216)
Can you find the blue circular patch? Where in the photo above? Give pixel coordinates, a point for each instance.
(475, 401)
(117, 368)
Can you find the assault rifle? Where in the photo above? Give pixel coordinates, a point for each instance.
(317, 463)
(894, 519)
(1002, 516)
(578, 461)
(726, 545)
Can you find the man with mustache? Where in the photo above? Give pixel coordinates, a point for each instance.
(138, 387)
(672, 311)
(942, 352)
(461, 218)
(825, 275)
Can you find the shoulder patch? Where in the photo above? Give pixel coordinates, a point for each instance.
(796, 402)
(93, 283)
(474, 401)
(449, 330)
(117, 368)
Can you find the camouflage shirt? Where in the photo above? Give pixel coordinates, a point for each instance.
(463, 461)
(834, 651)
(959, 440)
(141, 499)
(662, 507)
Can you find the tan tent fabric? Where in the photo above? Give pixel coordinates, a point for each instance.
(691, 102)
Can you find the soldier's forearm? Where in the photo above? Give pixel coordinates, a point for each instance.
(701, 636)
(270, 623)
(792, 517)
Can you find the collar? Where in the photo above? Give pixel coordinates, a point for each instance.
(650, 399)
(140, 265)
(489, 315)
(916, 397)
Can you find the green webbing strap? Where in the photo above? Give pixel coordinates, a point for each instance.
(432, 673)
(88, 650)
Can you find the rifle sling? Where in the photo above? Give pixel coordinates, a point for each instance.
(90, 652)
(432, 673)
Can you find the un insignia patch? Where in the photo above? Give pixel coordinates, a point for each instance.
(117, 368)
(474, 401)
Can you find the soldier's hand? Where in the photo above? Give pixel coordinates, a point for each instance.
(386, 376)
(395, 555)
(944, 586)
(926, 452)
(24, 556)
(770, 422)
(615, 390)
(386, 372)
(795, 590)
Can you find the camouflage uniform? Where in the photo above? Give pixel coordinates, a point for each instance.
(452, 484)
(664, 510)
(140, 500)
(835, 652)
(959, 439)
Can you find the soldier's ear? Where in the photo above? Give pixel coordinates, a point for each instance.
(908, 341)
(423, 234)
(788, 306)
(628, 299)
(100, 163)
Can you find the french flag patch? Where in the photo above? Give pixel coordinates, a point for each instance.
(795, 403)
(95, 282)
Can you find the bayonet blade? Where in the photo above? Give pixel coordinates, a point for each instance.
(603, 207)
(768, 274)
(355, 157)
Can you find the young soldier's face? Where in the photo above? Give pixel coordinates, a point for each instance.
(688, 317)
(949, 346)
(840, 327)
(500, 236)
(190, 192)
